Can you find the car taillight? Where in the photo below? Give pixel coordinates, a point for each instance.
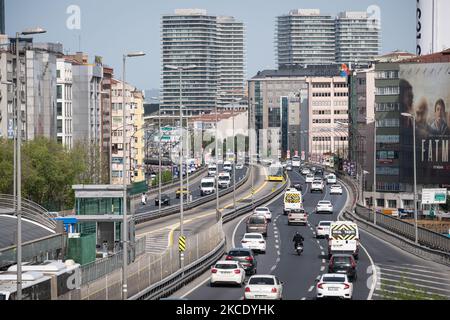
(247, 289)
(320, 286)
(353, 264)
(213, 270)
(346, 286)
(274, 290)
(331, 264)
(237, 271)
(229, 258)
(249, 258)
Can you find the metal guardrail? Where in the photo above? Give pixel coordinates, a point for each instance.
(153, 215)
(30, 210)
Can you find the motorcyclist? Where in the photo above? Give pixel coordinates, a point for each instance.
(298, 239)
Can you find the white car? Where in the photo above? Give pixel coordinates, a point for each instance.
(230, 272)
(265, 212)
(309, 178)
(227, 166)
(324, 207)
(305, 171)
(239, 166)
(336, 189)
(317, 185)
(254, 241)
(333, 285)
(323, 229)
(331, 179)
(264, 287)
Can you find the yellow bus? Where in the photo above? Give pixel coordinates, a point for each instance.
(276, 173)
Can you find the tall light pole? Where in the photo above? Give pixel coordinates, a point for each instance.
(125, 182)
(409, 115)
(180, 71)
(18, 145)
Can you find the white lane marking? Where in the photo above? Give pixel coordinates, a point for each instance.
(278, 260)
(318, 242)
(404, 267)
(311, 289)
(276, 236)
(193, 289)
(322, 253)
(277, 247)
(273, 268)
(318, 278)
(322, 269)
(303, 299)
(279, 253)
(321, 248)
(373, 267)
(324, 261)
(407, 272)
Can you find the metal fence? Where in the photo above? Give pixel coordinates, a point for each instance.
(39, 250)
(30, 210)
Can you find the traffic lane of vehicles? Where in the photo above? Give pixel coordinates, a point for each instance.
(194, 190)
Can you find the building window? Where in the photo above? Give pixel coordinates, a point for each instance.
(386, 107)
(386, 75)
(385, 91)
(408, 204)
(58, 92)
(58, 74)
(59, 125)
(392, 204)
(388, 139)
(388, 123)
(388, 171)
(380, 203)
(59, 109)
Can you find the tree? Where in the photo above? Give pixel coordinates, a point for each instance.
(6, 166)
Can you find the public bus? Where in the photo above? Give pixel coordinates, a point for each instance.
(276, 173)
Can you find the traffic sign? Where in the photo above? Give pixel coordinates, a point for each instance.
(434, 196)
(167, 129)
(182, 244)
(165, 138)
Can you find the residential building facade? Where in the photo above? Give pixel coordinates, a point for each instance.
(215, 46)
(64, 109)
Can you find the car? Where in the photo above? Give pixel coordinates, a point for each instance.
(298, 217)
(245, 257)
(336, 189)
(305, 171)
(263, 287)
(224, 180)
(227, 272)
(258, 224)
(323, 229)
(343, 264)
(185, 193)
(331, 179)
(297, 186)
(165, 200)
(317, 185)
(265, 212)
(239, 166)
(228, 166)
(324, 206)
(313, 169)
(332, 285)
(254, 241)
(288, 167)
(309, 178)
(318, 173)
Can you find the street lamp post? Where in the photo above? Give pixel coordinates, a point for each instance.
(409, 115)
(180, 71)
(125, 182)
(18, 145)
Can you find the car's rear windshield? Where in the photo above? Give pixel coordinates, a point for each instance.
(325, 224)
(262, 281)
(324, 202)
(334, 279)
(208, 184)
(239, 254)
(253, 236)
(226, 266)
(342, 260)
(257, 220)
(224, 178)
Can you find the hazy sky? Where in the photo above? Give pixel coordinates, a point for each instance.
(110, 28)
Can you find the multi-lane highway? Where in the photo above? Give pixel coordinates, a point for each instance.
(299, 273)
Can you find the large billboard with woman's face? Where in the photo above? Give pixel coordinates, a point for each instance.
(425, 93)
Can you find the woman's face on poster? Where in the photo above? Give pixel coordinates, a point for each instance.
(440, 112)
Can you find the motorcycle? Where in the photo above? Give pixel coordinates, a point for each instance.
(299, 249)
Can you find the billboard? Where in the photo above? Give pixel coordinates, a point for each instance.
(434, 196)
(432, 26)
(424, 92)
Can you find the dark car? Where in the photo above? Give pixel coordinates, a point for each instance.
(246, 257)
(319, 173)
(297, 185)
(343, 263)
(165, 200)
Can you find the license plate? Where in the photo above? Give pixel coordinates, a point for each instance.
(226, 272)
(260, 296)
(333, 289)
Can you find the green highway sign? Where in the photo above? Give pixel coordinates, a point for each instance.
(165, 138)
(167, 129)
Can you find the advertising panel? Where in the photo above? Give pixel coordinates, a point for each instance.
(434, 196)
(424, 92)
(432, 26)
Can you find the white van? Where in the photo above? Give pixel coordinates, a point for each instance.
(293, 200)
(228, 166)
(343, 238)
(207, 186)
(212, 170)
(224, 180)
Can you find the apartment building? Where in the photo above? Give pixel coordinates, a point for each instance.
(64, 111)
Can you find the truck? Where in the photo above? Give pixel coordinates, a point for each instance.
(207, 186)
(293, 200)
(343, 238)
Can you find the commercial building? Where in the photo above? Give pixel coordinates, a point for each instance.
(297, 110)
(134, 148)
(215, 45)
(307, 37)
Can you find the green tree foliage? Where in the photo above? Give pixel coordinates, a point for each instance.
(166, 177)
(49, 171)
